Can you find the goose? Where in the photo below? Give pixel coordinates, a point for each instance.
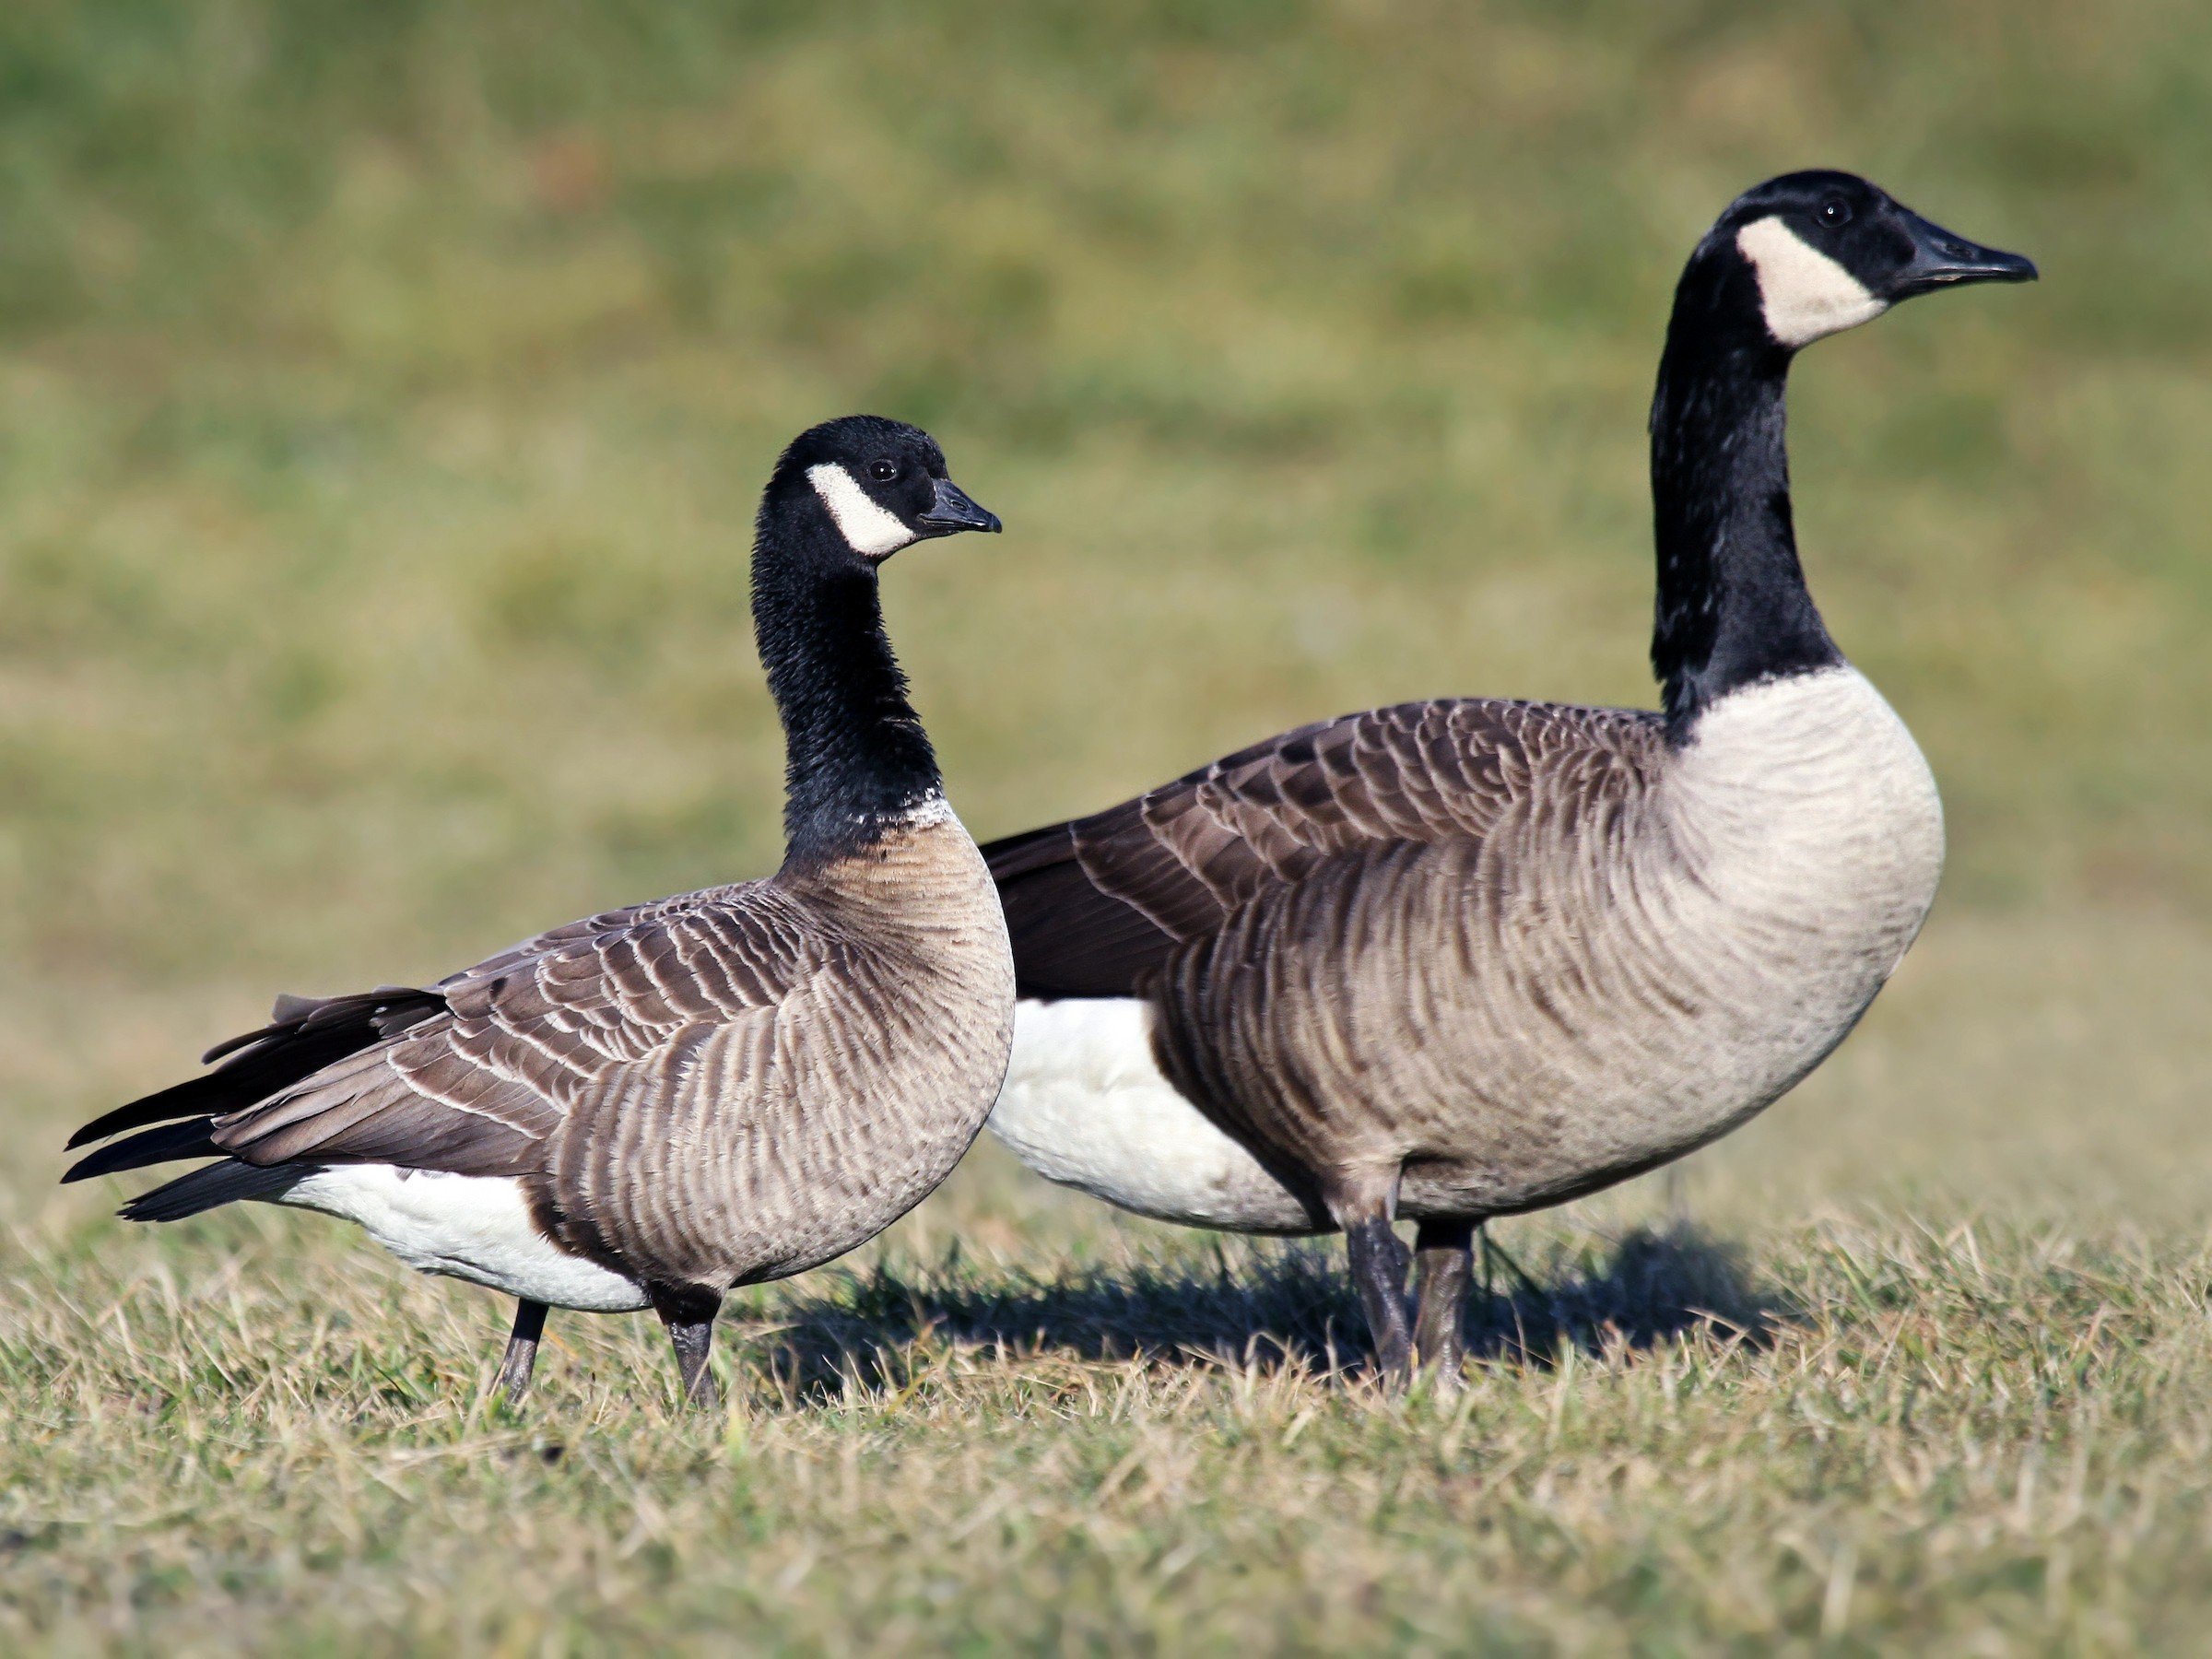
(656, 1105)
(1458, 959)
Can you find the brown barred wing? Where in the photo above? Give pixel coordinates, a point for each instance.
(477, 1075)
(483, 1089)
(1098, 905)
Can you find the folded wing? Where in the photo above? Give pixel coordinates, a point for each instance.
(1096, 905)
(477, 1075)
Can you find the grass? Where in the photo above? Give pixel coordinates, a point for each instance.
(1971, 1439)
(383, 393)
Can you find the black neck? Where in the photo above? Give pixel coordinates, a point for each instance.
(856, 756)
(1732, 602)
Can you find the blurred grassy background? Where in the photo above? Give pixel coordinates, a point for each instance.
(384, 390)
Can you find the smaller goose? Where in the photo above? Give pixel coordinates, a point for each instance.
(1464, 958)
(652, 1107)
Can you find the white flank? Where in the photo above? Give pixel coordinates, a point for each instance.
(1804, 293)
(872, 529)
(467, 1227)
(1085, 1105)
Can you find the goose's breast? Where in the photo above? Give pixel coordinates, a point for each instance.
(1809, 837)
(809, 1132)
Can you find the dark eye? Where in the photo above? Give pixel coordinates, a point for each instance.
(883, 472)
(1835, 213)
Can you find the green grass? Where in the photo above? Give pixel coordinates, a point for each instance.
(384, 390)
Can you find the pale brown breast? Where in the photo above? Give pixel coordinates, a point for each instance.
(757, 1147)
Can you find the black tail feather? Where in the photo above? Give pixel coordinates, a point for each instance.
(305, 1036)
(192, 1138)
(210, 1186)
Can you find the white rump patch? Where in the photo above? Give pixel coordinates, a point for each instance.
(1804, 292)
(467, 1227)
(871, 529)
(1085, 1105)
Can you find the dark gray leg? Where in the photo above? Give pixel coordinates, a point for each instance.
(513, 1380)
(1378, 1263)
(688, 1313)
(1443, 1265)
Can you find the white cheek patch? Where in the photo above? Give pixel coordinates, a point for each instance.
(1804, 292)
(867, 527)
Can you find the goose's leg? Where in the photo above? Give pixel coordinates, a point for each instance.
(688, 1313)
(1378, 1263)
(513, 1380)
(1443, 1264)
(1365, 1203)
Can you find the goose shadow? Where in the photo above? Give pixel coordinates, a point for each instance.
(1289, 1308)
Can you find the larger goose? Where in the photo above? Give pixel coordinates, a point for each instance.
(1459, 959)
(650, 1106)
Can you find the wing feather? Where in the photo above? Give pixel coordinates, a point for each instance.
(477, 1075)
(1098, 904)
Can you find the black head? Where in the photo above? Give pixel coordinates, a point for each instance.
(1827, 251)
(882, 482)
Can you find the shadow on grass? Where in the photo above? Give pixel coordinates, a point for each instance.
(1292, 1309)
